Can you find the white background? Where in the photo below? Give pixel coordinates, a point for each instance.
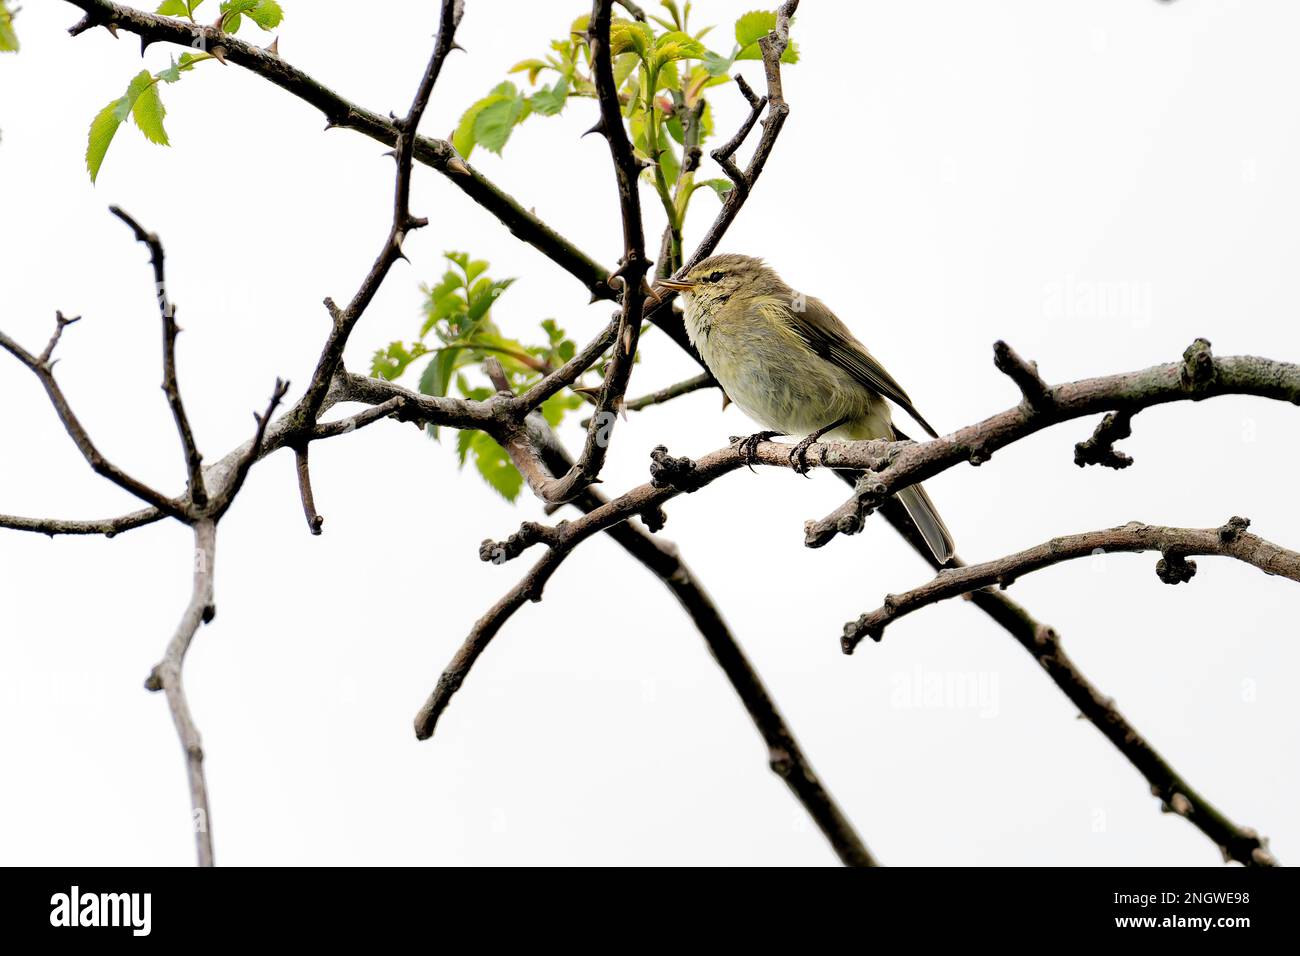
(952, 173)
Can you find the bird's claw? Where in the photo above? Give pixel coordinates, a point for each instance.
(748, 446)
(799, 455)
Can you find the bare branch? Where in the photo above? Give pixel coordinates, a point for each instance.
(314, 520)
(43, 368)
(664, 395)
(157, 258)
(1100, 448)
(225, 496)
(724, 153)
(894, 466)
(391, 408)
(785, 757)
(1175, 544)
(108, 527)
(167, 677)
(631, 273)
(403, 222)
(1025, 374)
(1176, 795)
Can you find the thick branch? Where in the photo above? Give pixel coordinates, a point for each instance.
(341, 113)
(785, 756)
(1199, 376)
(167, 677)
(1176, 795)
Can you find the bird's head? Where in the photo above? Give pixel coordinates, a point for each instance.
(716, 279)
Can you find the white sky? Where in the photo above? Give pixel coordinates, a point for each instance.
(951, 173)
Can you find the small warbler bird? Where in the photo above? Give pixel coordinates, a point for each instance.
(795, 368)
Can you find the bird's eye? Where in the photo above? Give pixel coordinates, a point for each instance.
(713, 277)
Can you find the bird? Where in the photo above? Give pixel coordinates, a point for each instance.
(789, 363)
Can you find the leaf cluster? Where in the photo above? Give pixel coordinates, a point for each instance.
(142, 101)
(457, 334)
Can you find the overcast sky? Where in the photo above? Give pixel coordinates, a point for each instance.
(1096, 182)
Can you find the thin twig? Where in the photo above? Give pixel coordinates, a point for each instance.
(167, 310)
(664, 395)
(314, 519)
(43, 368)
(225, 496)
(630, 276)
(403, 222)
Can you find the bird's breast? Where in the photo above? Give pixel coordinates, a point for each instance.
(769, 371)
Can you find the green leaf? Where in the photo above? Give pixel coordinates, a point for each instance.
(141, 101)
(677, 46)
(550, 101)
(464, 441)
(753, 52)
(623, 67)
(496, 121)
(232, 13)
(533, 67)
(715, 64)
(753, 26)
(494, 465)
(173, 8)
(484, 297)
(669, 163)
(267, 14)
(464, 138)
(392, 362)
(719, 186)
(437, 376)
(555, 407)
(102, 130)
(625, 36)
(8, 38)
(148, 112)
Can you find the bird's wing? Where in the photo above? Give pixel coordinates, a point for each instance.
(830, 338)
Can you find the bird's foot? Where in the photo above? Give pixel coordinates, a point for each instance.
(799, 454)
(748, 446)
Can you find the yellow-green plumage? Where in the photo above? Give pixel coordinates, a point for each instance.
(791, 365)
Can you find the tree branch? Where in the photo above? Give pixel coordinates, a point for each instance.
(167, 677)
(193, 460)
(1176, 795)
(43, 368)
(402, 223)
(785, 757)
(630, 275)
(341, 113)
(1175, 544)
(895, 465)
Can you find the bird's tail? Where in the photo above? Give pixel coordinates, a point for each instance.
(922, 511)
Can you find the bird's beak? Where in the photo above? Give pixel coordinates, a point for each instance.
(664, 285)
